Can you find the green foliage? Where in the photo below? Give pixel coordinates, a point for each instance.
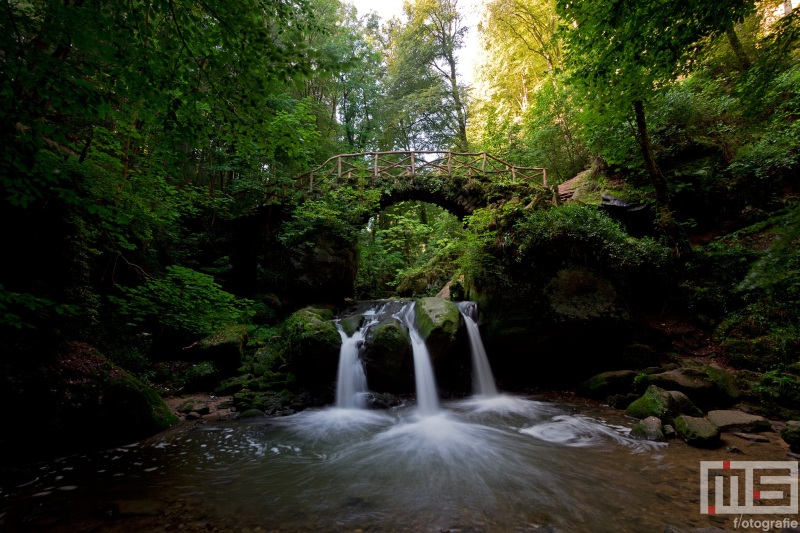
(24, 310)
(185, 300)
(778, 386)
(409, 247)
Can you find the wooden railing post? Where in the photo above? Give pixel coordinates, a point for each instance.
(375, 169)
(413, 165)
(483, 165)
(339, 168)
(544, 177)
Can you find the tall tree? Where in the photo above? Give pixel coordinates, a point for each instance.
(435, 32)
(622, 51)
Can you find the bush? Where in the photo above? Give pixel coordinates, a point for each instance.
(185, 300)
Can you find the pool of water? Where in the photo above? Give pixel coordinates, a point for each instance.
(501, 464)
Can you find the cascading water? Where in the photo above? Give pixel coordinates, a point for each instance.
(427, 395)
(351, 381)
(482, 378)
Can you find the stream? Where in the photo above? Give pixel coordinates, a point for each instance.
(507, 463)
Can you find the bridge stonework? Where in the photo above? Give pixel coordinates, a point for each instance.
(458, 182)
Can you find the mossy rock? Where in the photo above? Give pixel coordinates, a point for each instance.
(648, 429)
(601, 386)
(791, 435)
(708, 386)
(388, 356)
(662, 404)
(231, 385)
(198, 406)
(438, 322)
(224, 348)
(697, 431)
(203, 376)
(268, 402)
(315, 344)
(351, 324)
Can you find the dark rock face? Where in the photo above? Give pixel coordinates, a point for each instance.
(709, 386)
(80, 400)
(388, 357)
(606, 384)
(563, 329)
(314, 354)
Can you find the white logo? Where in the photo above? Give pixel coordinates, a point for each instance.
(770, 487)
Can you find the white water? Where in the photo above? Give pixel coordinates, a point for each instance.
(351, 381)
(427, 394)
(482, 378)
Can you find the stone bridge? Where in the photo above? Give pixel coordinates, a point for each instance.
(458, 182)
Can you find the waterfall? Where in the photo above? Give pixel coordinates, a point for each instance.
(427, 396)
(351, 381)
(482, 378)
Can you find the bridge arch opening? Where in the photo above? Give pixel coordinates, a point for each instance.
(409, 248)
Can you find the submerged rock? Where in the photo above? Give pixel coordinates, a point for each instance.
(700, 432)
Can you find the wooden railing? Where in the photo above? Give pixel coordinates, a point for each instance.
(412, 164)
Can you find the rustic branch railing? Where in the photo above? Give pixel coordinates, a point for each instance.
(411, 164)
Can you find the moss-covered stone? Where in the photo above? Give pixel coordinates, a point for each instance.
(351, 324)
(231, 385)
(664, 405)
(203, 376)
(791, 435)
(314, 344)
(708, 386)
(601, 386)
(438, 322)
(697, 431)
(387, 356)
(648, 429)
(735, 421)
(198, 406)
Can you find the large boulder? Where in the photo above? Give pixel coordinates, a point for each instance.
(662, 404)
(601, 386)
(737, 421)
(315, 344)
(438, 322)
(387, 356)
(708, 386)
(77, 400)
(697, 431)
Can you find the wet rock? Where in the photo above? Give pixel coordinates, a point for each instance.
(198, 406)
(751, 437)
(662, 404)
(314, 356)
(252, 413)
(669, 431)
(388, 356)
(605, 384)
(192, 416)
(791, 435)
(648, 429)
(374, 400)
(438, 322)
(696, 431)
(733, 449)
(351, 324)
(234, 384)
(621, 401)
(730, 421)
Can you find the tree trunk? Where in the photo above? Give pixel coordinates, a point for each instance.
(665, 220)
(787, 7)
(736, 46)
